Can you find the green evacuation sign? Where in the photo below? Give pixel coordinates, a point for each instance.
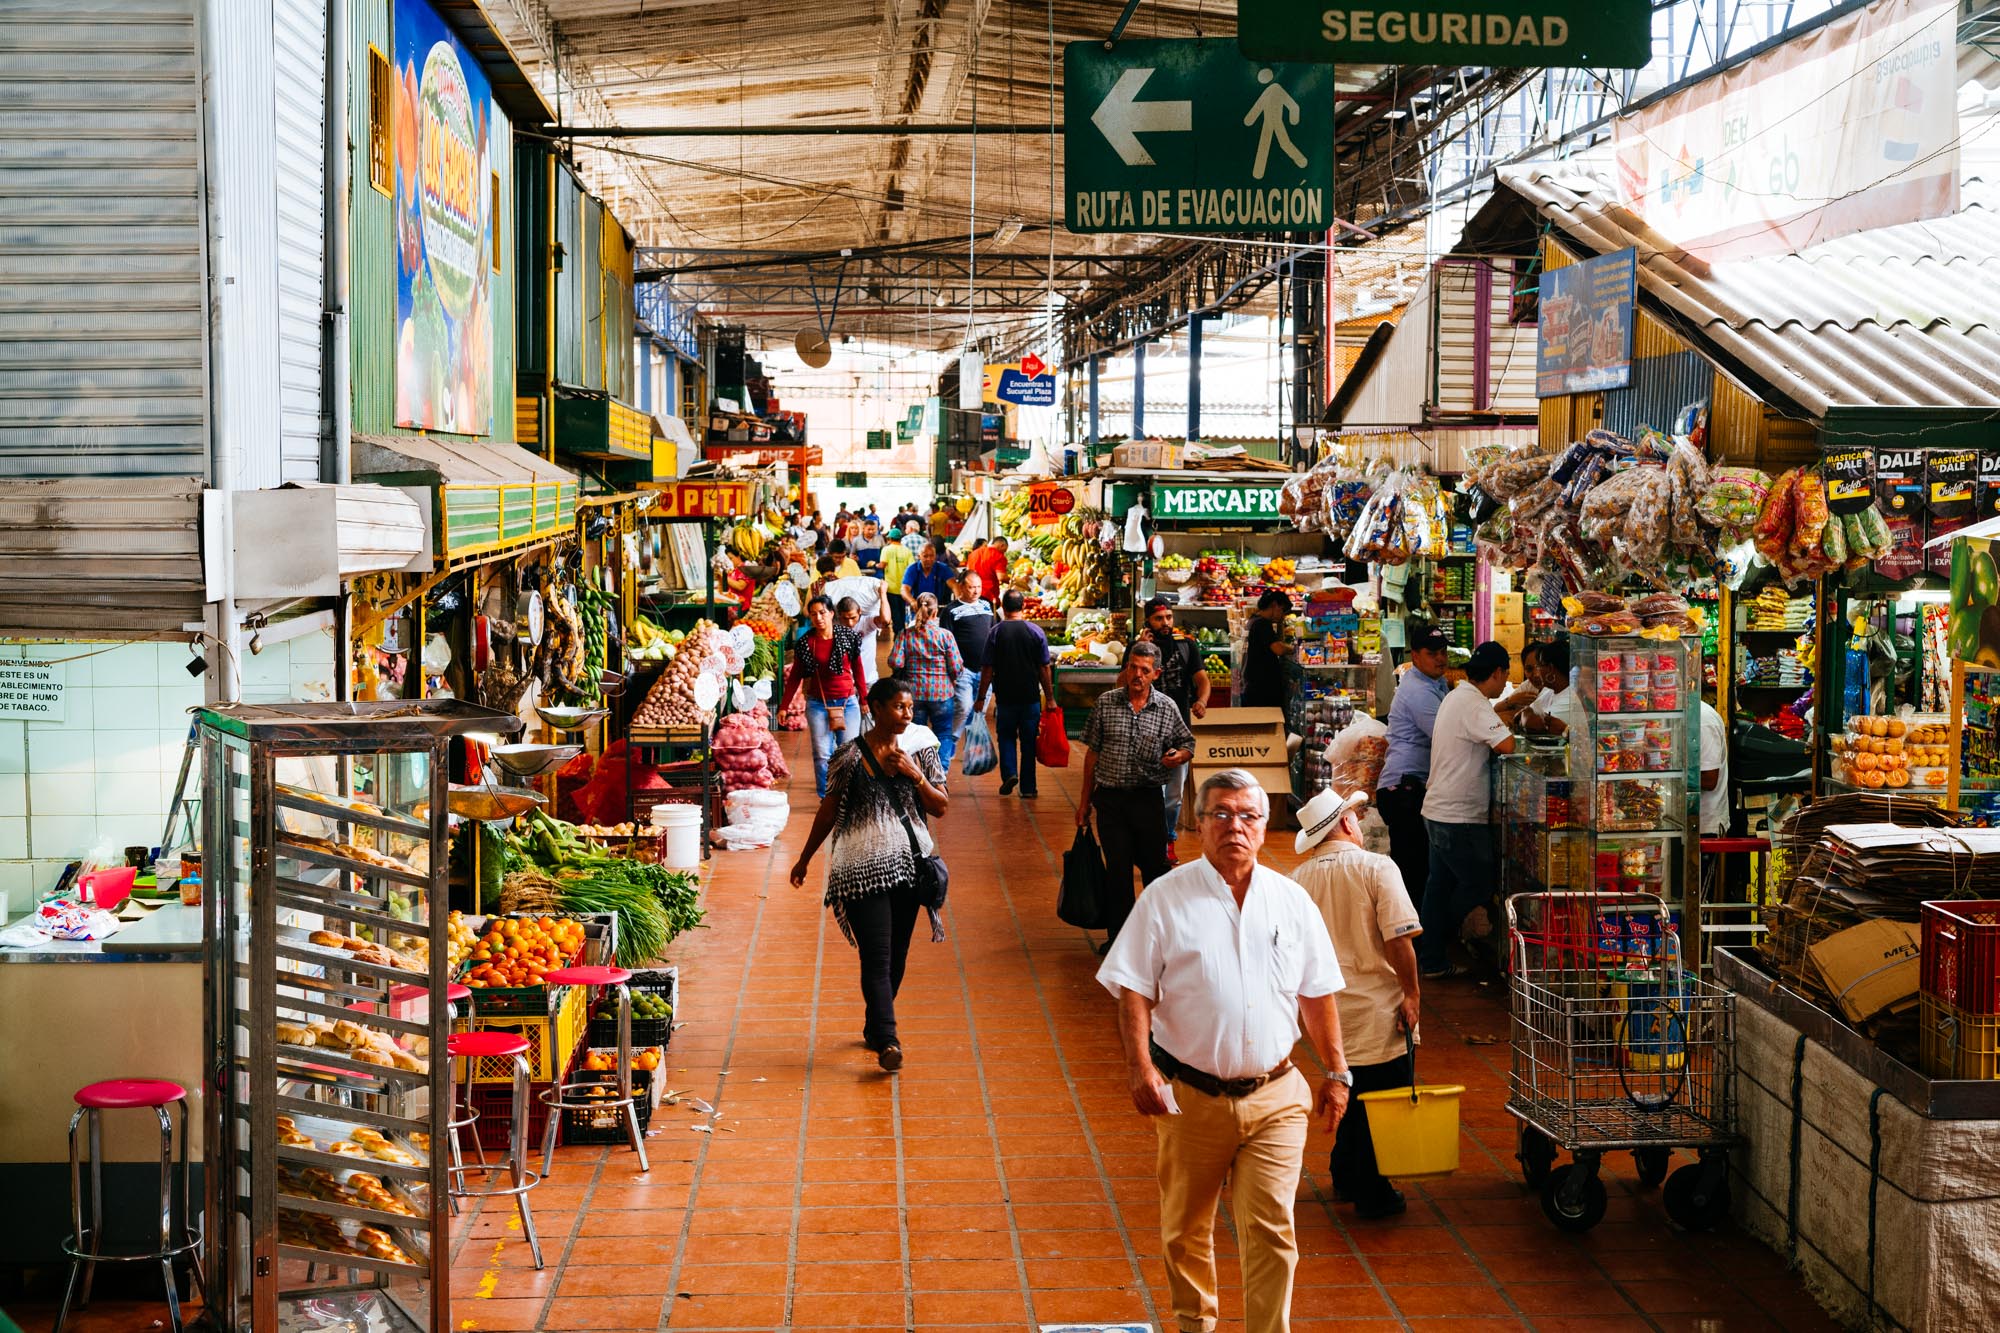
(1606, 34)
(1188, 136)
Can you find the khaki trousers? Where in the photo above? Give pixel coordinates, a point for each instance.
(1257, 1144)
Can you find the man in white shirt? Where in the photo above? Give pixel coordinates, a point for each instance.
(1714, 814)
(873, 615)
(1374, 926)
(1219, 965)
(1458, 801)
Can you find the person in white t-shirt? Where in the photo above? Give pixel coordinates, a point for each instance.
(871, 615)
(1374, 926)
(1714, 815)
(1458, 801)
(1557, 710)
(1220, 965)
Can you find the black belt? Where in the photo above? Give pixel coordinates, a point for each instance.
(1209, 1083)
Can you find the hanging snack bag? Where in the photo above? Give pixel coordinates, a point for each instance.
(1950, 479)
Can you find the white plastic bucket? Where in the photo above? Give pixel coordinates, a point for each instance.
(683, 828)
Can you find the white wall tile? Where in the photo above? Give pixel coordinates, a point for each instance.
(79, 710)
(123, 751)
(13, 747)
(13, 795)
(63, 836)
(52, 752)
(122, 831)
(133, 664)
(79, 671)
(17, 887)
(63, 793)
(129, 794)
(128, 707)
(13, 838)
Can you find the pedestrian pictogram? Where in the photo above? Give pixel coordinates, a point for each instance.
(1188, 136)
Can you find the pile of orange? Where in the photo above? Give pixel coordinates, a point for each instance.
(517, 951)
(608, 1060)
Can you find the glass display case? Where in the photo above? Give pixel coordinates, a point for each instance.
(325, 851)
(1544, 845)
(1635, 782)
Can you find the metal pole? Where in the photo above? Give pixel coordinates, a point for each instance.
(1095, 363)
(1138, 390)
(1194, 380)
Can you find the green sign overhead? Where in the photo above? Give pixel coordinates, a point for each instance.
(1604, 34)
(879, 439)
(1189, 136)
(1190, 502)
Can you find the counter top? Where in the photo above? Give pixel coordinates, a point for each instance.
(169, 934)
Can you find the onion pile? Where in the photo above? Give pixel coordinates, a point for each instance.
(670, 703)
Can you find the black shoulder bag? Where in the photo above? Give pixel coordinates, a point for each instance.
(933, 877)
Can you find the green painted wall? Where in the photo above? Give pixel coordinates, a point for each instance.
(371, 277)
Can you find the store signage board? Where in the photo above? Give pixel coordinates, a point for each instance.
(1048, 501)
(32, 691)
(879, 439)
(1189, 136)
(1584, 340)
(703, 499)
(1012, 382)
(1197, 502)
(1597, 34)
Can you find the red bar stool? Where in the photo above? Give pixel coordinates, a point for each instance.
(470, 1046)
(84, 1245)
(558, 1101)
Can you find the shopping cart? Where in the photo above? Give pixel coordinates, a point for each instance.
(1617, 1048)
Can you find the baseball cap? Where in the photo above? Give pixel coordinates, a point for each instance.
(1429, 638)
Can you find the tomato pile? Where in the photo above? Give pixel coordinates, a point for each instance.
(517, 951)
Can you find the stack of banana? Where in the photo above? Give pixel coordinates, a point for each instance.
(748, 539)
(1086, 577)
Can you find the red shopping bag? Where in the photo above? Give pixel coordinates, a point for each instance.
(1052, 744)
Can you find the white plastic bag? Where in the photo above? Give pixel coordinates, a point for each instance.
(1355, 755)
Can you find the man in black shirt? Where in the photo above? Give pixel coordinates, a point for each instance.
(1183, 680)
(1017, 671)
(1265, 653)
(969, 619)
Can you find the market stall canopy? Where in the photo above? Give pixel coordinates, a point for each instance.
(1887, 329)
(305, 540)
(100, 557)
(489, 497)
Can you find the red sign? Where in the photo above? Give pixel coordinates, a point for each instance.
(1032, 365)
(1048, 501)
(703, 499)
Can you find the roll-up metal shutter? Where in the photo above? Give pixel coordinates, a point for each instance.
(300, 65)
(100, 557)
(102, 305)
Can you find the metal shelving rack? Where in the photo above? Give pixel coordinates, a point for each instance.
(327, 816)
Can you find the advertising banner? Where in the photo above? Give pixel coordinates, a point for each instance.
(1584, 341)
(443, 229)
(1013, 382)
(1848, 127)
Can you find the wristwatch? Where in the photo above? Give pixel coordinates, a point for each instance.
(1341, 1076)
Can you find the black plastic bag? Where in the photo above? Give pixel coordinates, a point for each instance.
(1080, 902)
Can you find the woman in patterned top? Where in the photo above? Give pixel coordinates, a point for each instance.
(877, 795)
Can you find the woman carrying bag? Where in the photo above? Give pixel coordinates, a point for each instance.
(826, 661)
(883, 869)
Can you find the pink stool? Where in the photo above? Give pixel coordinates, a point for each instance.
(84, 1245)
(558, 1101)
(471, 1046)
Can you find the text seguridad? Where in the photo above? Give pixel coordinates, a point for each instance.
(1434, 27)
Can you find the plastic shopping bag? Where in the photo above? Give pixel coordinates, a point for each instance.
(1080, 901)
(1356, 754)
(976, 749)
(1052, 742)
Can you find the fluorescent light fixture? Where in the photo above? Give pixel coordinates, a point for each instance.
(1007, 232)
(1926, 595)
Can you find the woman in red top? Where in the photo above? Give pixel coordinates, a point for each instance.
(826, 661)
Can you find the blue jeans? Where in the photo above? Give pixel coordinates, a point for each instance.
(825, 738)
(1176, 785)
(1462, 877)
(961, 703)
(937, 715)
(1017, 727)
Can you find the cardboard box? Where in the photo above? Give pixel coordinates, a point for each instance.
(1252, 739)
(1509, 608)
(1511, 637)
(1148, 453)
(1867, 968)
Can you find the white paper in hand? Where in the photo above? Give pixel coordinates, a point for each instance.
(1173, 1107)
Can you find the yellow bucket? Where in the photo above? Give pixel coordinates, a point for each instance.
(1415, 1137)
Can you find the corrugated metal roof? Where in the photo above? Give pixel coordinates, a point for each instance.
(1903, 316)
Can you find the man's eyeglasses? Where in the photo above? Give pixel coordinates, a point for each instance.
(1228, 817)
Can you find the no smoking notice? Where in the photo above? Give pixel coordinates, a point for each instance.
(31, 691)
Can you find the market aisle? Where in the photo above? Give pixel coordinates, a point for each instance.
(1002, 1180)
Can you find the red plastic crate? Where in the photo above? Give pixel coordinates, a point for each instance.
(1961, 954)
(495, 1104)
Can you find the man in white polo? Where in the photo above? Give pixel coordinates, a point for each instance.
(1217, 969)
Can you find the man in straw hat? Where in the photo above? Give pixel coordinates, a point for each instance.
(1219, 966)
(1374, 927)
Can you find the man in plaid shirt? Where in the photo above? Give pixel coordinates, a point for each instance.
(1136, 738)
(926, 655)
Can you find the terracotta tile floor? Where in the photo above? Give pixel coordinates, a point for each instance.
(1002, 1180)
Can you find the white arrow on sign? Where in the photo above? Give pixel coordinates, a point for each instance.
(1122, 117)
